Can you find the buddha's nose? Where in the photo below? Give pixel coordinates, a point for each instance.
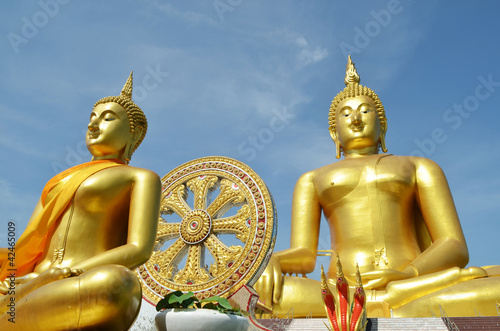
(92, 126)
(356, 117)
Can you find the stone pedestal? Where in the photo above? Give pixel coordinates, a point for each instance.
(374, 324)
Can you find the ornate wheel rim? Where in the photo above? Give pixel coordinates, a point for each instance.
(217, 201)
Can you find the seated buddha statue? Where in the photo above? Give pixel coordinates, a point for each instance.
(393, 216)
(92, 225)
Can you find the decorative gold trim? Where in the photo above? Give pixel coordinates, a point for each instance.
(241, 207)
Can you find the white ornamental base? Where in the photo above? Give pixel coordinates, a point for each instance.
(199, 320)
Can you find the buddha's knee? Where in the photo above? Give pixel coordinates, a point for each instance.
(109, 296)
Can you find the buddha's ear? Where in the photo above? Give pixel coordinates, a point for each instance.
(137, 134)
(383, 130)
(333, 134)
(383, 126)
(134, 139)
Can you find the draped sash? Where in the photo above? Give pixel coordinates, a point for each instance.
(56, 197)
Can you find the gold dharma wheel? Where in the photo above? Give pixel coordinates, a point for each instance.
(216, 230)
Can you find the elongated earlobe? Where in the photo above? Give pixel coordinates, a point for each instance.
(127, 155)
(382, 142)
(383, 130)
(338, 149)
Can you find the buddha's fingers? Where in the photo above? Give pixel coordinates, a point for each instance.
(402, 292)
(76, 272)
(277, 286)
(264, 288)
(26, 278)
(3, 289)
(472, 273)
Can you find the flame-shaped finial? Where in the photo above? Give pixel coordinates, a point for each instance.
(358, 312)
(351, 75)
(324, 285)
(358, 277)
(127, 88)
(340, 273)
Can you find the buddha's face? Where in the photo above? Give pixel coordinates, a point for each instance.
(108, 131)
(357, 124)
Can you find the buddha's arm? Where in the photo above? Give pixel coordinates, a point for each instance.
(448, 248)
(142, 226)
(306, 217)
(301, 256)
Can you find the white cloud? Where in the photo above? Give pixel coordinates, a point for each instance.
(189, 16)
(309, 56)
(301, 42)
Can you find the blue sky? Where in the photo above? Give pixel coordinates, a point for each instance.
(213, 77)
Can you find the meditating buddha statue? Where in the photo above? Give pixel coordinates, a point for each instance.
(394, 216)
(93, 224)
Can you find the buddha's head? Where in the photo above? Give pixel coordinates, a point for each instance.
(357, 117)
(117, 126)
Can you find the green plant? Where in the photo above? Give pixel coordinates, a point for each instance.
(178, 299)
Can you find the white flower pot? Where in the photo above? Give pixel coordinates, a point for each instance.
(179, 319)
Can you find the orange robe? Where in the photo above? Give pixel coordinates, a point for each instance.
(30, 246)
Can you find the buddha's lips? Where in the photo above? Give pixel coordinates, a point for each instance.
(358, 127)
(94, 135)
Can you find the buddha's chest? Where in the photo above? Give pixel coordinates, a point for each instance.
(363, 181)
(103, 193)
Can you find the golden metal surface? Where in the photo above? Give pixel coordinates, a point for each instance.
(83, 278)
(393, 216)
(216, 211)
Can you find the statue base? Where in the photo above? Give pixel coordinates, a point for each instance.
(393, 324)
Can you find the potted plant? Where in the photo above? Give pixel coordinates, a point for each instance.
(184, 311)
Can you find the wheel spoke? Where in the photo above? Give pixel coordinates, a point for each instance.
(237, 224)
(175, 202)
(193, 272)
(222, 254)
(200, 186)
(168, 259)
(230, 195)
(166, 230)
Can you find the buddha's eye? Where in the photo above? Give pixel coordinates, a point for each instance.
(364, 109)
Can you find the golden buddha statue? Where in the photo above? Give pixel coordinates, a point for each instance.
(394, 216)
(93, 224)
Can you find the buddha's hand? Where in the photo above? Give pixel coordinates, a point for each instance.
(49, 275)
(4, 287)
(33, 280)
(54, 274)
(26, 278)
(270, 284)
(378, 279)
